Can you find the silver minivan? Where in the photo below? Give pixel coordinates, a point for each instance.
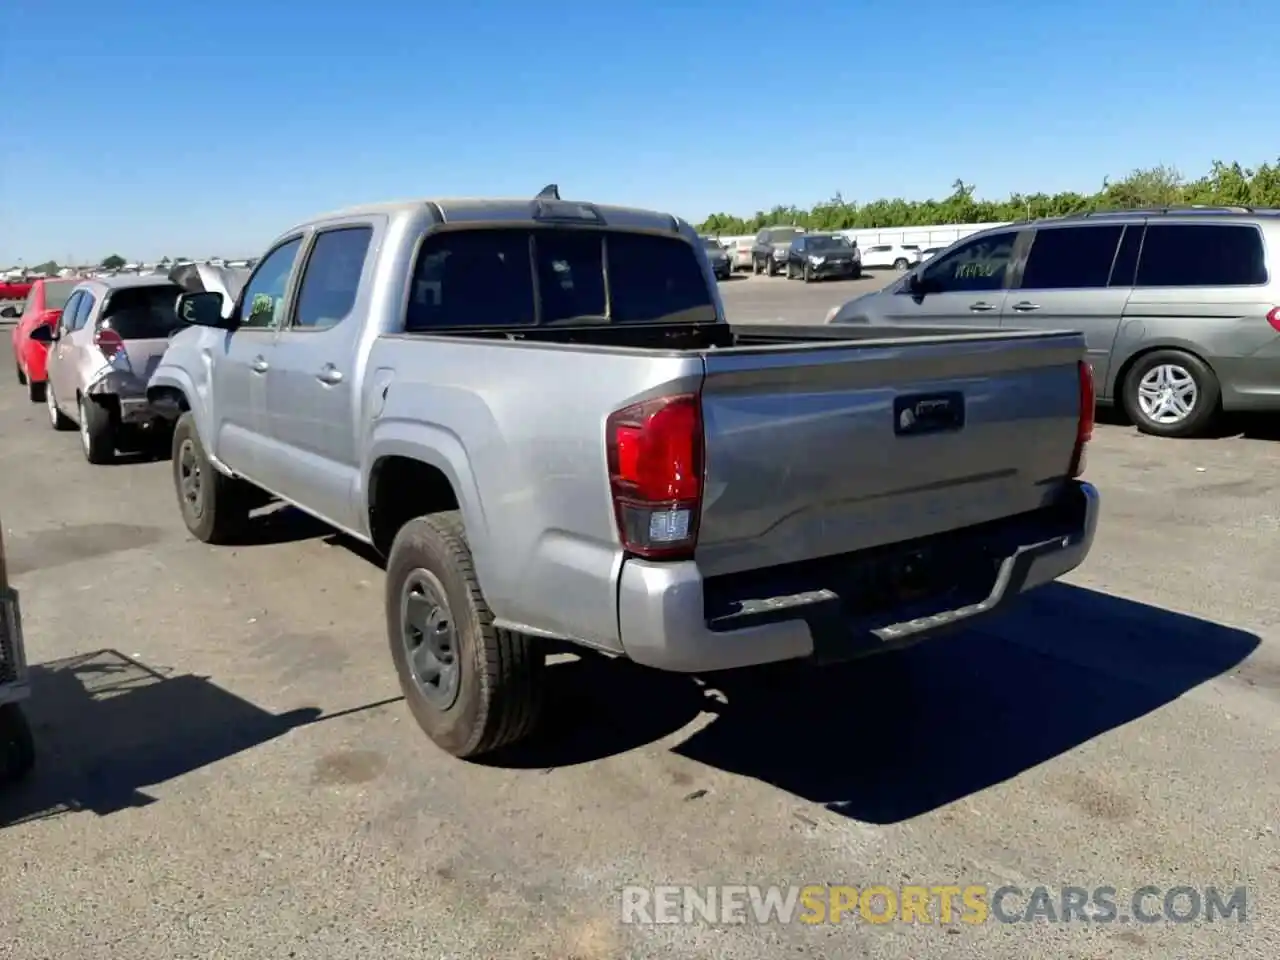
(1180, 307)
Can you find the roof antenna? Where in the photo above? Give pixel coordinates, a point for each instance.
(549, 192)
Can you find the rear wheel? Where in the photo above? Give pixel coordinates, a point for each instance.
(35, 390)
(214, 507)
(900, 264)
(1169, 393)
(57, 419)
(97, 432)
(22, 377)
(471, 686)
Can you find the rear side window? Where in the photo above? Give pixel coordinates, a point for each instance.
(140, 313)
(1071, 258)
(521, 277)
(1201, 255)
(84, 307)
(56, 293)
(332, 277)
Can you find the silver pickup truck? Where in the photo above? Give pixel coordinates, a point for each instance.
(537, 412)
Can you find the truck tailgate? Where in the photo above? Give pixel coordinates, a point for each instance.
(820, 449)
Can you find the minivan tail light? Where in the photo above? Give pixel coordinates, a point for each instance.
(655, 454)
(1273, 318)
(109, 342)
(1084, 425)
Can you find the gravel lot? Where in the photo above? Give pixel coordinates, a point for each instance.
(226, 769)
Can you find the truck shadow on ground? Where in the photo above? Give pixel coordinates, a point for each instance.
(889, 738)
(108, 726)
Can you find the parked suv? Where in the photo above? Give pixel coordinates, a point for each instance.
(817, 256)
(1180, 308)
(769, 252)
(884, 256)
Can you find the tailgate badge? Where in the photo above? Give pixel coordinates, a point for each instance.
(928, 413)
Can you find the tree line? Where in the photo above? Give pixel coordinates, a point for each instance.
(1226, 184)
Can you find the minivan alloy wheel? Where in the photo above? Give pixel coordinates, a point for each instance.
(1167, 393)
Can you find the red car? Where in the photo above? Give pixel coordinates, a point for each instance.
(14, 289)
(43, 305)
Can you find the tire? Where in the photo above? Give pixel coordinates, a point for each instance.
(900, 264)
(808, 273)
(755, 266)
(57, 419)
(771, 267)
(1179, 369)
(22, 377)
(97, 432)
(856, 274)
(490, 688)
(35, 390)
(215, 507)
(17, 744)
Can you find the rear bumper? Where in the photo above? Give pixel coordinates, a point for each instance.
(673, 619)
(128, 394)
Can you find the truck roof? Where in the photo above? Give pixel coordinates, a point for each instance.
(453, 209)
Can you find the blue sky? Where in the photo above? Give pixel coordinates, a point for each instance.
(113, 114)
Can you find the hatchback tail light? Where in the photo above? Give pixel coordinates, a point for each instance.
(1273, 318)
(655, 453)
(109, 342)
(1084, 426)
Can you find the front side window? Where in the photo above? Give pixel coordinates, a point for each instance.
(520, 277)
(1071, 258)
(332, 277)
(978, 266)
(1201, 255)
(263, 300)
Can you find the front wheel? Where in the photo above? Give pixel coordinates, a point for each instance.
(471, 686)
(17, 745)
(808, 273)
(57, 419)
(1169, 393)
(214, 507)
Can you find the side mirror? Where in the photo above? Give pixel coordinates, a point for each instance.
(204, 309)
(10, 313)
(43, 333)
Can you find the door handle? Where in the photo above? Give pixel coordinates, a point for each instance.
(329, 374)
(1026, 306)
(982, 307)
(259, 365)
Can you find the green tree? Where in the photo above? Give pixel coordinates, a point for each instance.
(113, 262)
(1226, 184)
(49, 267)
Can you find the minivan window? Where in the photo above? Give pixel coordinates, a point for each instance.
(976, 266)
(1201, 255)
(470, 278)
(143, 313)
(1126, 265)
(1071, 258)
(331, 277)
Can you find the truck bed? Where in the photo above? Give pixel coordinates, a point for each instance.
(806, 455)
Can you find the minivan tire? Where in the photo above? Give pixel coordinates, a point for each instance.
(216, 508)
(495, 696)
(1208, 395)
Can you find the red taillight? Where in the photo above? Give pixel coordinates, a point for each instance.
(109, 342)
(1084, 426)
(1273, 318)
(655, 475)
